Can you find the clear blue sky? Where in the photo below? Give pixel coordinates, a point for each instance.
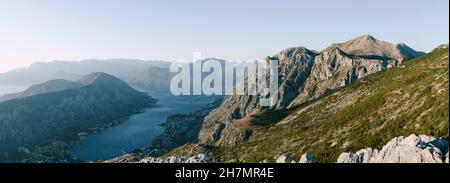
(44, 30)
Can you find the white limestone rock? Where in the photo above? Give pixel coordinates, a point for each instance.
(347, 157)
(412, 149)
(285, 158)
(362, 156)
(306, 158)
(200, 158)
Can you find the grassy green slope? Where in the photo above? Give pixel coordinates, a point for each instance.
(410, 99)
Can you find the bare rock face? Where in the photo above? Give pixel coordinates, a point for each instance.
(444, 46)
(303, 75)
(362, 156)
(412, 149)
(334, 68)
(285, 158)
(200, 158)
(306, 158)
(348, 157)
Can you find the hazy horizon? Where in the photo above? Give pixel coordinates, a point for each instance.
(41, 31)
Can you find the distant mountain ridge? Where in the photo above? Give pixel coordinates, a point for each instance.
(125, 69)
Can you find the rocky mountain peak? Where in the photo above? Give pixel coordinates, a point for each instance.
(293, 53)
(366, 37)
(411, 149)
(360, 42)
(370, 46)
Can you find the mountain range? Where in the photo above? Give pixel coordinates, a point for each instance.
(386, 106)
(350, 96)
(304, 75)
(134, 72)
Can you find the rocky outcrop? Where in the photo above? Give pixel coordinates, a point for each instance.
(358, 157)
(285, 158)
(132, 158)
(443, 46)
(306, 158)
(412, 149)
(304, 75)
